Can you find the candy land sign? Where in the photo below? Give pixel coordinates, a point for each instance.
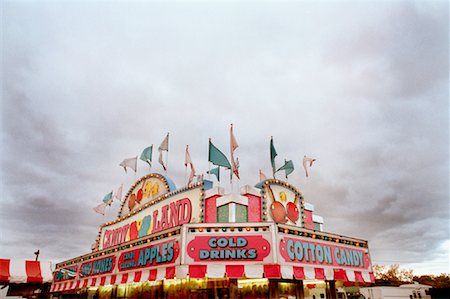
(180, 208)
(144, 190)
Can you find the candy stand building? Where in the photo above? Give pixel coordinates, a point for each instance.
(197, 242)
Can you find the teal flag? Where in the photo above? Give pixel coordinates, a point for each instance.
(216, 157)
(273, 154)
(216, 172)
(146, 155)
(107, 197)
(288, 167)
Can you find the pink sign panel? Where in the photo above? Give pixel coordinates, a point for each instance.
(153, 255)
(228, 248)
(316, 253)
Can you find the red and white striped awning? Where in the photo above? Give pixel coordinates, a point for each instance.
(273, 271)
(20, 271)
(116, 279)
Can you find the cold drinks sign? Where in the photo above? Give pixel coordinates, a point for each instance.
(228, 248)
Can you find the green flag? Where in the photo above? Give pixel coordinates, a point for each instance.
(288, 167)
(273, 154)
(216, 172)
(146, 155)
(107, 198)
(216, 157)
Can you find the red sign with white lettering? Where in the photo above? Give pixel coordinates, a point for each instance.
(153, 255)
(228, 248)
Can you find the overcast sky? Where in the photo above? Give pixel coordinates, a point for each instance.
(361, 86)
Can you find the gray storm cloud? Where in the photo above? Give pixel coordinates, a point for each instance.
(361, 86)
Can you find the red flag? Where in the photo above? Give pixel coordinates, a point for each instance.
(233, 146)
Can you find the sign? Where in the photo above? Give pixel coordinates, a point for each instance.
(144, 190)
(180, 208)
(154, 255)
(305, 251)
(99, 266)
(282, 203)
(65, 273)
(228, 248)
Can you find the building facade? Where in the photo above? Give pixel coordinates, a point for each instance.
(197, 242)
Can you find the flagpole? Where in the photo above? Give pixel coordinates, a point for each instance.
(273, 164)
(185, 165)
(167, 155)
(219, 175)
(209, 162)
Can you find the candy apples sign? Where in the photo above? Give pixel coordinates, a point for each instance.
(282, 203)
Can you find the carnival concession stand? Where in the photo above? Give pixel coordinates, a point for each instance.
(198, 242)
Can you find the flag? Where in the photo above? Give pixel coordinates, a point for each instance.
(262, 176)
(216, 157)
(146, 155)
(216, 172)
(118, 194)
(187, 161)
(288, 167)
(233, 146)
(108, 198)
(100, 208)
(163, 147)
(307, 161)
(273, 154)
(165, 144)
(130, 162)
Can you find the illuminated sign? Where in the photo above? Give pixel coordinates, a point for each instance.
(282, 203)
(98, 266)
(144, 190)
(305, 251)
(65, 273)
(228, 248)
(153, 255)
(157, 215)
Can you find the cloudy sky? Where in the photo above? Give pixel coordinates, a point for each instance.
(361, 86)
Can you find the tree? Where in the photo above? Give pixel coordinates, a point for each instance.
(440, 281)
(392, 275)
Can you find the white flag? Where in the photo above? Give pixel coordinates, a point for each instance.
(130, 162)
(101, 208)
(262, 176)
(187, 161)
(163, 147)
(118, 193)
(233, 146)
(307, 162)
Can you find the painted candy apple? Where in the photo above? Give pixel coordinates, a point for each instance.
(292, 211)
(278, 212)
(132, 201)
(139, 195)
